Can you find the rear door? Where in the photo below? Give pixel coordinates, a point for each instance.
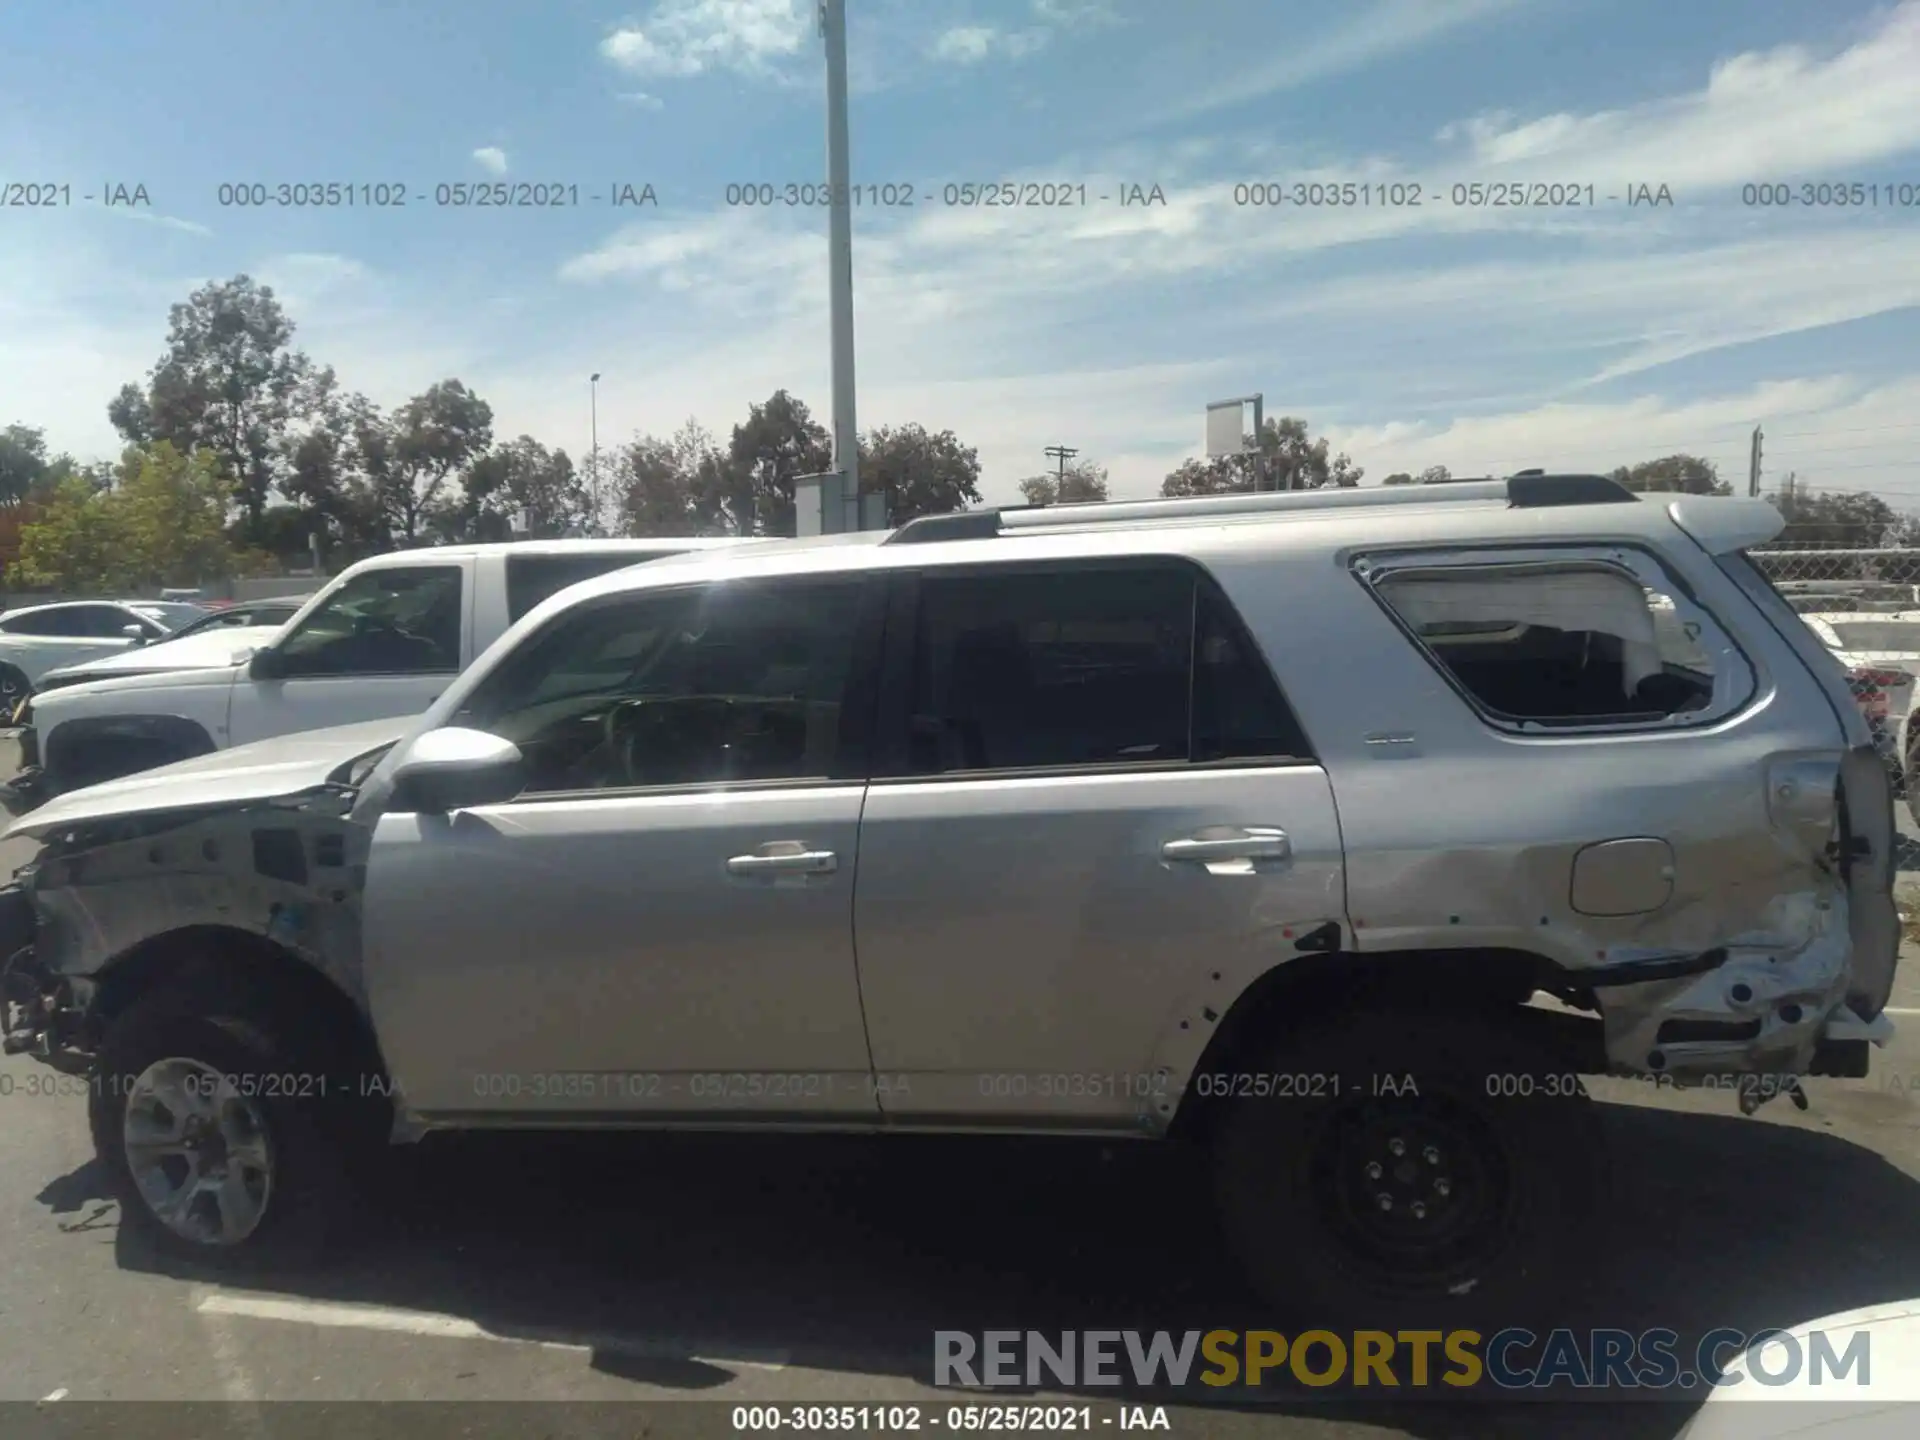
(385, 643)
(1095, 816)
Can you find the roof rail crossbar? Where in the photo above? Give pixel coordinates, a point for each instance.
(1526, 491)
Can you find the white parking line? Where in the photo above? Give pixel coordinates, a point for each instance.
(342, 1316)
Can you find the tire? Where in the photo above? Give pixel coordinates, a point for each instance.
(1496, 1190)
(290, 1137)
(14, 687)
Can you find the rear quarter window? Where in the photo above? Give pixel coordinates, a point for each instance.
(1565, 641)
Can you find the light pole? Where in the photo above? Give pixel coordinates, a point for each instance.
(846, 444)
(593, 400)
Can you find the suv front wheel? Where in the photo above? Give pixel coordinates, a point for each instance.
(1431, 1168)
(224, 1145)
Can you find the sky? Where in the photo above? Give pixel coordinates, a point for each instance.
(1674, 307)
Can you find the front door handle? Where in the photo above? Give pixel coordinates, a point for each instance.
(784, 857)
(1252, 842)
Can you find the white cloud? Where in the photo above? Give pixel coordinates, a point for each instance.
(1761, 115)
(1075, 14)
(692, 37)
(966, 44)
(642, 99)
(1362, 37)
(492, 159)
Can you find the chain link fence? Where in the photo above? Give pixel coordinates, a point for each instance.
(1864, 604)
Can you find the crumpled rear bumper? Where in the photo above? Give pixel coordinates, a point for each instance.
(1772, 1002)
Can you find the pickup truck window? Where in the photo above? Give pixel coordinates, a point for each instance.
(686, 687)
(533, 578)
(401, 621)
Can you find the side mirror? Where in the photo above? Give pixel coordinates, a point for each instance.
(456, 769)
(137, 634)
(267, 664)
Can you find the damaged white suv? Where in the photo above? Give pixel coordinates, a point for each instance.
(1257, 821)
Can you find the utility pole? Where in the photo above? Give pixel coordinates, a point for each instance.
(846, 442)
(1753, 465)
(1061, 453)
(593, 393)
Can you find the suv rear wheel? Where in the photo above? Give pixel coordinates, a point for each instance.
(1431, 1168)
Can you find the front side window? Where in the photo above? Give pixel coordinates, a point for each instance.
(724, 684)
(109, 622)
(402, 621)
(1567, 641)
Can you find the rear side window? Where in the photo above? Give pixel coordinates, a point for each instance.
(533, 578)
(1568, 642)
(1040, 669)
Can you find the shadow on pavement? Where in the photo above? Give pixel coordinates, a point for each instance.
(846, 1254)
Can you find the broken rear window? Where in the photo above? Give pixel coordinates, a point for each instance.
(1561, 643)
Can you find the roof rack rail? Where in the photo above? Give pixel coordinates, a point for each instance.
(1523, 491)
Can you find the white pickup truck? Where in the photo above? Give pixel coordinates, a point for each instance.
(383, 639)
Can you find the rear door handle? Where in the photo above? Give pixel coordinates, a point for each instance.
(1253, 842)
(784, 857)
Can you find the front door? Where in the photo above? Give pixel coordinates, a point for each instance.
(662, 923)
(386, 643)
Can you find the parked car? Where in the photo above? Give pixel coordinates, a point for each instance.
(1191, 819)
(1882, 656)
(39, 638)
(384, 638)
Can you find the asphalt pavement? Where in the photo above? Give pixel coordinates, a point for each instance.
(638, 1273)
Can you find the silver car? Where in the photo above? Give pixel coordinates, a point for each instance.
(1269, 823)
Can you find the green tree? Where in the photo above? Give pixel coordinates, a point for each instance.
(1079, 482)
(1683, 474)
(229, 382)
(169, 514)
(919, 472)
(409, 457)
(75, 544)
(1837, 519)
(779, 442)
(23, 463)
(1435, 475)
(673, 486)
(1285, 457)
(522, 478)
(1399, 477)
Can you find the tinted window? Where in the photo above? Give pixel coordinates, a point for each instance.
(1075, 667)
(382, 622)
(1557, 643)
(107, 622)
(45, 622)
(532, 578)
(1238, 711)
(693, 687)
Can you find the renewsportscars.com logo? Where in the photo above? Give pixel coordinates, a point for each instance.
(1514, 1359)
